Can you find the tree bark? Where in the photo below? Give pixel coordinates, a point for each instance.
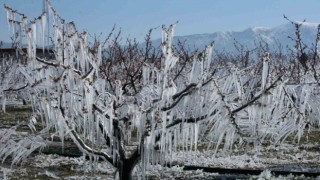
(126, 166)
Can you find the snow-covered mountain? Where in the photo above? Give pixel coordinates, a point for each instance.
(250, 38)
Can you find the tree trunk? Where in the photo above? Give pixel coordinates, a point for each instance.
(126, 166)
(125, 171)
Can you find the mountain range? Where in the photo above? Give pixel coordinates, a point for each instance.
(251, 37)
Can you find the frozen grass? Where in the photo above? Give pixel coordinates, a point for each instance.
(14, 114)
(56, 167)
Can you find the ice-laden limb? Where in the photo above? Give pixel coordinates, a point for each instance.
(21, 149)
(5, 134)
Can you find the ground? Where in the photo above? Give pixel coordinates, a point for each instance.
(50, 164)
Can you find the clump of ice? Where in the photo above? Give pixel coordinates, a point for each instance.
(175, 172)
(85, 177)
(6, 173)
(51, 175)
(257, 160)
(77, 164)
(266, 174)
(50, 160)
(76, 168)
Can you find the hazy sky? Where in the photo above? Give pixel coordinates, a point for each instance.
(136, 17)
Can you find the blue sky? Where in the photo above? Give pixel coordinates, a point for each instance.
(136, 17)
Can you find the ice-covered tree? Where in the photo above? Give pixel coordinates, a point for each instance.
(177, 106)
(11, 80)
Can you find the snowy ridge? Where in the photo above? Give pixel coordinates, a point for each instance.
(250, 37)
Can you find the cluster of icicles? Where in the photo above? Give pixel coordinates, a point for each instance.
(166, 116)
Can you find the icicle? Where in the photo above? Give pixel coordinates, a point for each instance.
(20, 36)
(170, 35)
(14, 22)
(238, 85)
(43, 21)
(164, 35)
(48, 20)
(196, 134)
(265, 71)
(8, 11)
(32, 43)
(197, 71)
(4, 99)
(9, 18)
(29, 39)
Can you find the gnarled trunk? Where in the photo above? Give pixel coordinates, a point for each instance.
(126, 166)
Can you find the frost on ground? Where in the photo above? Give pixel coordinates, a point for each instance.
(285, 158)
(268, 175)
(252, 160)
(57, 167)
(303, 158)
(176, 172)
